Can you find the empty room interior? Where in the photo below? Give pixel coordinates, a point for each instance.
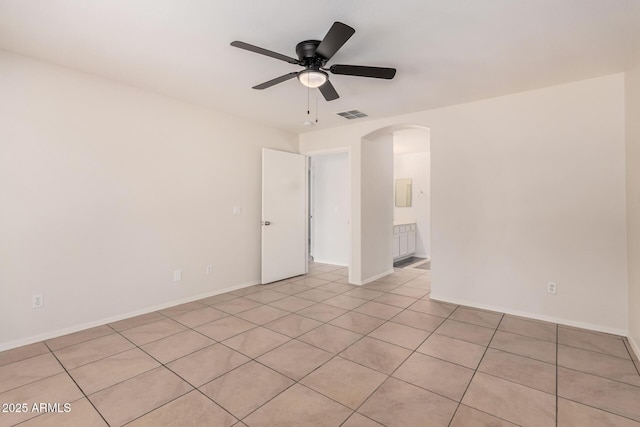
(363, 213)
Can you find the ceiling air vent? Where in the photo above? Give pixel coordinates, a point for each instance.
(352, 114)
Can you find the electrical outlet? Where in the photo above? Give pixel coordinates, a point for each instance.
(37, 301)
(209, 269)
(177, 275)
(237, 210)
(551, 288)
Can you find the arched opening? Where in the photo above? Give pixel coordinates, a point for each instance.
(373, 241)
(412, 199)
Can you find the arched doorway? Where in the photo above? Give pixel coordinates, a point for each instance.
(373, 209)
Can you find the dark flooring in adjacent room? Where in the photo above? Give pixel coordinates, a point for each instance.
(408, 262)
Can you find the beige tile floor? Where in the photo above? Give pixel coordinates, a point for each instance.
(316, 351)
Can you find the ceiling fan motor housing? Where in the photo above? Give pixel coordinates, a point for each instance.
(306, 52)
(313, 56)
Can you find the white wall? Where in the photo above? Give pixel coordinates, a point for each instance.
(526, 188)
(376, 221)
(106, 189)
(330, 204)
(417, 167)
(632, 92)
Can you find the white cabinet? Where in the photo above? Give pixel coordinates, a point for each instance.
(411, 242)
(396, 246)
(404, 240)
(404, 244)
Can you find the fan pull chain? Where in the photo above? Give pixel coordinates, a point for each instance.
(308, 108)
(316, 105)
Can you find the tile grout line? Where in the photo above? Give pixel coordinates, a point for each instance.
(587, 373)
(83, 342)
(136, 346)
(340, 315)
(52, 352)
(585, 331)
(334, 356)
(295, 382)
(629, 350)
(476, 370)
(594, 351)
(173, 372)
(352, 310)
(237, 367)
(26, 358)
(601, 377)
(515, 333)
(364, 416)
(583, 372)
(80, 342)
(404, 360)
(602, 410)
(526, 336)
(77, 385)
(189, 328)
(384, 293)
(517, 354)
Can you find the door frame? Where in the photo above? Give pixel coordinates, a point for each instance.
(329, 151)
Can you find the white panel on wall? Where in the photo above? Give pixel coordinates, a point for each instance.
(330, 208)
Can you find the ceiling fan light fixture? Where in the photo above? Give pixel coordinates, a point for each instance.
(313, 55)
(313, 78)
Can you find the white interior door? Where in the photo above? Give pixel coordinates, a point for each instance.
(284, 215)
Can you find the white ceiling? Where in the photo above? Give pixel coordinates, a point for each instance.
(446, 52)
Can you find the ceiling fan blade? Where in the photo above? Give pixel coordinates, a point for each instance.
(328, 91)
(276, 81)
(261, 51)
(363, 71)
(337, 36)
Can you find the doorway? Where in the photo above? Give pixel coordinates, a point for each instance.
(329, 208)
(412, 217)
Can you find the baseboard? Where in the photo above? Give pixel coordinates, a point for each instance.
(634, 346)
(376, 277)
(325, 261)
(535, 316)
(59, 332)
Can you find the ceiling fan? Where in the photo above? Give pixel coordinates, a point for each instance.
(313, 55)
